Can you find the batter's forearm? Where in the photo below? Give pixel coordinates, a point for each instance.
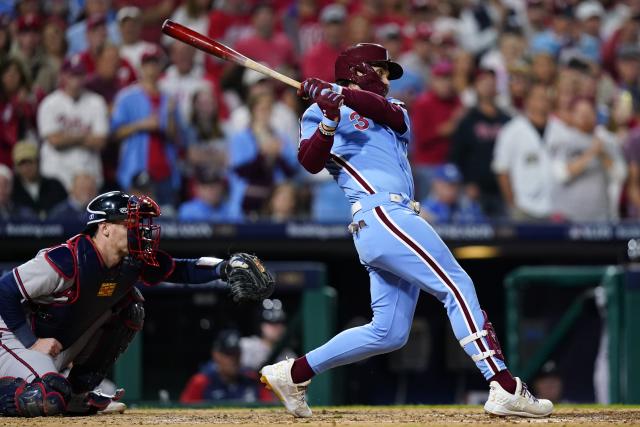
(375, 107)
(314, 152)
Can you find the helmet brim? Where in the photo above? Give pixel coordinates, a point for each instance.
(395, 70)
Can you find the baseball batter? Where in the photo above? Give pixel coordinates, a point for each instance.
(360, 136)
(76, 303)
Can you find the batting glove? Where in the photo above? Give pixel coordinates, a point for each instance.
(330, 103)
(369, 79)
(312, 88)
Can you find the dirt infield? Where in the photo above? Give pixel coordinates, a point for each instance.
(358, 416)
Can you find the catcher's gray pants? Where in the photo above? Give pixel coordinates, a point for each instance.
(18, 361)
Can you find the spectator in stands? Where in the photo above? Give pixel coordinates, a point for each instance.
(77, 33)
(195, 15)
(301, 24)
(183, 79)
(255, 349)
(632, 154)
(222, 379)
(211, 200)
(267, 45)
(410, 84)
(260, 157)
(418, 59)
(17, 108)
(446, 202)
(509, 53)
(283, 203)
(28, 50)
(227, 23)
(558, 35)
(628, 72)
(5, 36)
(147, 123)
(473, 144)
(208, 146)
(55, 47)
(435, 115)
(319, 60)
(73, 123)
(152, 15)
(7, 210)
(543, 68)
(360, 30)
(30, 189)
(583, 160)
(74, 208)
(132, 47)
(112, 73)
(96, 42)
(518, 87)
(589, 15)
(521, 160)
(282, 117)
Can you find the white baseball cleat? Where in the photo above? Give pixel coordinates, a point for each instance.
(114, 408)
(277, 378)
(522, 403)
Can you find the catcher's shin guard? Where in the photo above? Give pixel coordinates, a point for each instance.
(114, 338)
(46, 395)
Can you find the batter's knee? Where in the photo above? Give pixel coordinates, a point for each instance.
(391, 336)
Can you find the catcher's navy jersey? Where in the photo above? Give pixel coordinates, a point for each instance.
(366, 157)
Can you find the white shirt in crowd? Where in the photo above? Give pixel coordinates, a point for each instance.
(521, 153)
(133, 52)
(183, 87)
(59, 112)
(282, 119)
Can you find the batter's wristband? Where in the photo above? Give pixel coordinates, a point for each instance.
(325, 131)
(330, 123)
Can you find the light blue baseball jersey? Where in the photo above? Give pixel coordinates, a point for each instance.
(366, 157)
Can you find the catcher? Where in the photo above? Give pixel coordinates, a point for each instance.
(76, 305)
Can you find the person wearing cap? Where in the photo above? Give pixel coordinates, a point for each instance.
(73, 123)
(30, 189)
(222, 379)
(559, 34)
(147, 122)
(473, 142)
(133, 46)
(435, 114)
(257, 349)
(319, 59)
(28, 49)
(589, 15)
(267, 44)
(627, 67)
(210, 202)
(77, 39)
(97, 41)
(446, 203)
(153, 13)
(73, 208)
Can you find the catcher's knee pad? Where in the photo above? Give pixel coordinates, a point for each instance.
(116, 335)
(46, 395)
(492, 339)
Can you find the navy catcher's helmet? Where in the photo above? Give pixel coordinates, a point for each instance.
(369, 53)
(137, 212)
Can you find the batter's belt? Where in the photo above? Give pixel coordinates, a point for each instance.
(371, 201)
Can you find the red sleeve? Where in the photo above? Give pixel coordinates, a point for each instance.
(314, 152)
(194, 389)
(375, 107)
(422, 131)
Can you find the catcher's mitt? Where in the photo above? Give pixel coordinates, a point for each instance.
(247, 278)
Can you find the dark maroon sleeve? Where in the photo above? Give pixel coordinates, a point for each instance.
(375, 107)
(314, 152)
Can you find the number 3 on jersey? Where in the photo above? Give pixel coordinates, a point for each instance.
(358, 121)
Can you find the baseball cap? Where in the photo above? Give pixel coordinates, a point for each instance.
(442, 69)
(272, 311)
(251, 77)
(96, 21)
(74, 65)
(333, 14)
(228, 342)
(29, 23)
(448, 173)
(128, 12)
(389, 31)
(152, 53)
(589, 9)
(24, 150)
(424, 31)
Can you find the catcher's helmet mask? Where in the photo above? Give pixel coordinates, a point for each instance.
(137, 213)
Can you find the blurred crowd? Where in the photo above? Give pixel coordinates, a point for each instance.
(521, 109)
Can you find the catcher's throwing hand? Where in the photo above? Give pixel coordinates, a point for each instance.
(248, 279)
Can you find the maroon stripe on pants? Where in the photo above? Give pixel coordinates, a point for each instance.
(19, 359)
(353, 172)
(442, 276)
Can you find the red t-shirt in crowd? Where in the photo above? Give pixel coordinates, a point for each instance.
(158, 164)
(428, 114)
(277, 51)
(319, 62)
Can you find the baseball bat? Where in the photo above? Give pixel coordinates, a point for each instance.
(212, 47)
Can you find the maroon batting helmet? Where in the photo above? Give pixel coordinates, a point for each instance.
(370, 53)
